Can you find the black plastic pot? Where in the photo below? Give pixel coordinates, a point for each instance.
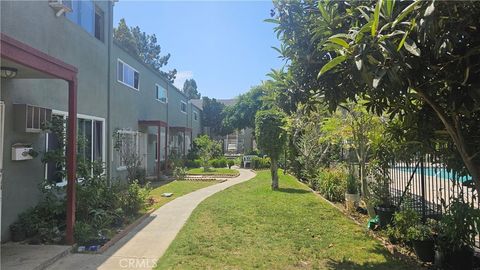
(385, 215)
(425, 250)
(459, 259)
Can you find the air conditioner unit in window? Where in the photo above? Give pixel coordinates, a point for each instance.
(61, 6)
(31, 119)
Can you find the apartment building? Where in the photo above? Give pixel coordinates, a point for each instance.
(58, 60)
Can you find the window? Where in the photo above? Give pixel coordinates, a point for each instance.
(88, 16)
(161, 93)
(127, 147)
(99, 24)
(183, 107)
(89, 148)
(195, 116)
(127, 75)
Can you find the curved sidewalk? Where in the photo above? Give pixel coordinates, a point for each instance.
(144, 245)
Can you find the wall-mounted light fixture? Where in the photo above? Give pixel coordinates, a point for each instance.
(8, 72)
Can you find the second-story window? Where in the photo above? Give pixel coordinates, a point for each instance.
(195, 116)
(161, 93)
(88, 16)
(127, 75)
(183, 107)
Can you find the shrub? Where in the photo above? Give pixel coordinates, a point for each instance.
(352, 184)
(230, 163)
(133, 199)
(333, 183)
(83, 233)
(180, 173)
(197, 163)
(402, 221)
(260, 163)
(218, 163)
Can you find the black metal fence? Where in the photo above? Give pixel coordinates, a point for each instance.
(425, 181)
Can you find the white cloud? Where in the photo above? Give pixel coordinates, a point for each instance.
(182, 76)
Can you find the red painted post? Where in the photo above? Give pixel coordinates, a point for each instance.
(159, 132)
(166, 147)
(71, 158)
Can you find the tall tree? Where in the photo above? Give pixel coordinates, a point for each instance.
(213, 115)
(242, 114)
(144, 46)
(271, 138)
(408, 59)
(190, 89)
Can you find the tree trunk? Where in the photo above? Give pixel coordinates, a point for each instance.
(274, 171)
(455, 132)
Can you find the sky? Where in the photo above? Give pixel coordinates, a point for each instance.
(224, 45)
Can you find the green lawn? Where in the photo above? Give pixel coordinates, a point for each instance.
(178, 188)
(212, 171)
(249, 226)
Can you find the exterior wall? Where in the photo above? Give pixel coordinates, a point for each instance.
(35, 24)
(129, 105)
(196, 125)
(100, 95)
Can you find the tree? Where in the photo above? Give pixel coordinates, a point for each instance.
(207, 149)
(242, 114)
(143, 46)
(357, 129)
(271, 138)
(213, 115)
(190, 89)
(411, 59)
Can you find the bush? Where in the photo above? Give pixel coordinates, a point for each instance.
(134, 198)
(352, 184)
(218, 163)
(83, 233)
(402, 222)
(180, 173)
(260, 163)
(333, 183)
(197, 163)
(230, 163)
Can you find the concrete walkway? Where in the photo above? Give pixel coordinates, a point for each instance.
(143, 246)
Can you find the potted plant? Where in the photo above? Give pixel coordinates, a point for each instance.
(380, 187)
(422, 238)
(352, 198)
(18, 232)
(457, 231)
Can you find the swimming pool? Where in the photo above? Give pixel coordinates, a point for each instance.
(437, 172)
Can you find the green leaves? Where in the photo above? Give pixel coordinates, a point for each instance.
(333, 63)
(376, 17)
(405, 13)
(340, 42)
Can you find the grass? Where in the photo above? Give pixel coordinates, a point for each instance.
(212, 171)
(178, 188)
(250, 226)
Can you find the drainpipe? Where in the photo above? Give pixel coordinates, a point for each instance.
(109, 88)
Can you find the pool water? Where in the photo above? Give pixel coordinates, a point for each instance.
(437, 172)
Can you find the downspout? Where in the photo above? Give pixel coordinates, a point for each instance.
(109, 87)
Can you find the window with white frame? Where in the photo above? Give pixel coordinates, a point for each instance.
(161, 93)
(90, 146)
(183, 106)
(127, 75)
(127, 146)
(195, 116)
